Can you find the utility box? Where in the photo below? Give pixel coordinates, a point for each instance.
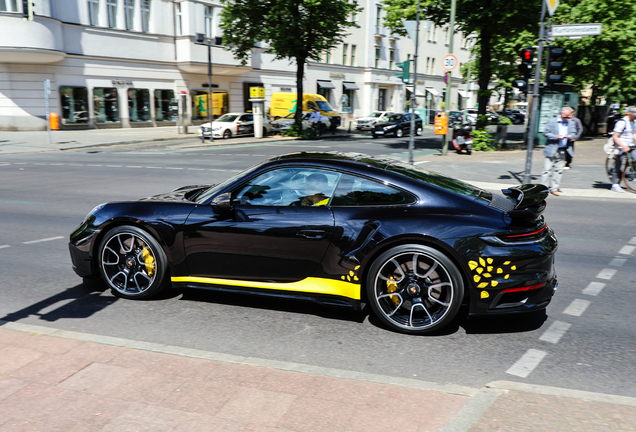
(550, 103)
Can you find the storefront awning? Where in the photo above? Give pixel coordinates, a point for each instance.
(432, 91)
(326, 85)
(419, 93)
(350, 86)
(462, 93)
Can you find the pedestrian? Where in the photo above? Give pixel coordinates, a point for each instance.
(559, 130)
(624, 136)
(316, 120)
(569, 155)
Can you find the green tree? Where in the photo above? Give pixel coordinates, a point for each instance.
(290, 29)
(491, 21)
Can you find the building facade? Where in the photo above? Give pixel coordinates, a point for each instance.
(135, 63)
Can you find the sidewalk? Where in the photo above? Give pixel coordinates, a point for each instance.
(59, 381)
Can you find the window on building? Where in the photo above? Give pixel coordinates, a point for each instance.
(163, 101)
(381, 100)
(139, 105)
(377, 57)
(447, 35)
(428, 65)
(129, 13)
(179, 19)
(74, 102)
(354, 15)
(8, 6)
(93, 12)
(145, 15)
(378, 20)
(209, 20)
(106, 105)
(353, 55)
(429, 33)
(432, 70)
(328, 56)
(433, 33)
(345, 48)
(348, 93)
(111, 7)
(391, 58)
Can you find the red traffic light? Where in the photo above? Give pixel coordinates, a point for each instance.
(527, 55)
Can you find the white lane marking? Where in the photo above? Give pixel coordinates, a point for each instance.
(43, 240)
(5, 164)
(577, 307)
(56, 164)
(594, 288)
(173, 168)
(149, 167)
(113, 166)
(196, 169)
(555, 332)
(95, 165)
(618, 262)
(527, 363)
(627, 250)
(72, 164)
(606, 273)
(134, 166)
(20, 163)
(632, 241)
(4, 246)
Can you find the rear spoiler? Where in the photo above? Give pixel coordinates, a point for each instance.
(528, 199)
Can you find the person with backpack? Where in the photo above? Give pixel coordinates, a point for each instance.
(624, 136)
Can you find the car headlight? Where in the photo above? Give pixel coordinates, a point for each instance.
(390, 127)
(94, 211)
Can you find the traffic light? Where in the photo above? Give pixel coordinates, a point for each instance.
(527, 58)
(406, 67)
(553, 72)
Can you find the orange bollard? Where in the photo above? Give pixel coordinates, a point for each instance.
(441, 124)
(54, 121)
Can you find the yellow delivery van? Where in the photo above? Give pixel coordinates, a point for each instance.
(284, 103)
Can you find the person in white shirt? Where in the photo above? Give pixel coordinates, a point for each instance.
(624, 136)
(558, 131)
(316, 120)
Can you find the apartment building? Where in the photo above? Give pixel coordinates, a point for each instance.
(134, 63)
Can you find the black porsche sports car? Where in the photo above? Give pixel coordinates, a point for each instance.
(397, 125)
(336, 228)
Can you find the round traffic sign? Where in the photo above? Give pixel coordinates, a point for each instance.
(449, 62)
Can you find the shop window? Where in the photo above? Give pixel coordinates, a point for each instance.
(106, 105)
(163, 100)
(347, 101)
(74, 105)
(139, 105)
(8, 6)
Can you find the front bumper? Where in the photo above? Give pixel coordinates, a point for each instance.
(82, 262)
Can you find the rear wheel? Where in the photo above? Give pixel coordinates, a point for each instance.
(132, 263)
(414, 289)
(629, 175)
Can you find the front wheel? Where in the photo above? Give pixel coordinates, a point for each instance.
(399, 133)
(227, 134)
(414, 289)
(132, 263)
(418, 132)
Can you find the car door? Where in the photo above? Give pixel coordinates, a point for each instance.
(270, 234)
(245, 125)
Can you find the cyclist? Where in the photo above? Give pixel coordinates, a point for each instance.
(624, 136)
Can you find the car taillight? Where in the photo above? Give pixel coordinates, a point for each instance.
(528, 235)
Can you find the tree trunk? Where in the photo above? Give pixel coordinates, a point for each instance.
(485, 73)
(300, 73)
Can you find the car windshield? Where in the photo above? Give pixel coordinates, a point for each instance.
(324, 106)
(392, 117)
(439, 180)
(203, 197)
(375, 115)
(227, 118)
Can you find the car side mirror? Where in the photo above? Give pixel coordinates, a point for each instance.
(223, 202)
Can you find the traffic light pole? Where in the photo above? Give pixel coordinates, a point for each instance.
(527, 178)
(413, 96)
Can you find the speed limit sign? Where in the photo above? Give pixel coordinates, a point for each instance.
(449, 62)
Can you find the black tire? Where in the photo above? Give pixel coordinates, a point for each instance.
(374, 135)
(629, 176)
(399, 133)
(264, 132)
(227, 134)
(427, 286)
(132, 263)
(418, 131)
(469, 151)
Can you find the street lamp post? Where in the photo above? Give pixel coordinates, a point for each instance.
(200, 40)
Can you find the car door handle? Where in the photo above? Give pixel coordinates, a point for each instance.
(311, 234)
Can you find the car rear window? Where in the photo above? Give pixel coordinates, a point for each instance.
(440, 180)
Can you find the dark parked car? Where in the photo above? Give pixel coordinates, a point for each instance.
(397, 125)
(336, 228)
(515, 118)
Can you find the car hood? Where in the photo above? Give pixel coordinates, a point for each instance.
(184, 193)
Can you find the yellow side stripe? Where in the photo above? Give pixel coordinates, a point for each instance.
(310, 285)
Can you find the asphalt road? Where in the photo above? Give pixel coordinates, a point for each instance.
(583, 341)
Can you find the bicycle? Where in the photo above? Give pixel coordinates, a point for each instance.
(628, 175)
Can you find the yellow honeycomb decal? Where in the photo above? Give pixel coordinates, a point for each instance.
(485, 268)
(352, 276)
(485, 294)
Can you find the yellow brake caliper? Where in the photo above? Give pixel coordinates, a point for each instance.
(149, 260)
(392, 287)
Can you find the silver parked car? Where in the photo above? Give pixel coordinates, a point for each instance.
(231, 125)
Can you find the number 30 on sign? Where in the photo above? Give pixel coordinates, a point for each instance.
(449, 62)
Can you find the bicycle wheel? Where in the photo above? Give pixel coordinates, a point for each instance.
(629, 173)
(609, 165)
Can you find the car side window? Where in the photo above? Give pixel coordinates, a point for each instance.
(357, 191)
(298, 187)
(311, 106)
